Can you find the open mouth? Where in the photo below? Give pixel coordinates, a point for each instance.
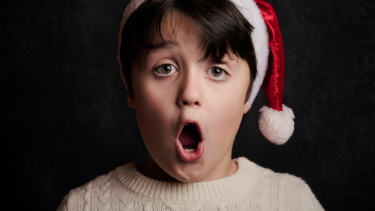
(189, 138)
(190, 144)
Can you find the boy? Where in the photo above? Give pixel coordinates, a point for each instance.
(190, 68)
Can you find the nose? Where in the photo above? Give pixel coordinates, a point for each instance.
(190, 93)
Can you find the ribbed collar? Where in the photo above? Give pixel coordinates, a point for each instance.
(243, 179)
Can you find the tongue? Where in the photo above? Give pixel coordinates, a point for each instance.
(189, 136)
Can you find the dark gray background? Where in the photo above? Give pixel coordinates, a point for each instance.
(66, 121)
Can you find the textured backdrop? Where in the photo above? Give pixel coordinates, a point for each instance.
(66, 121)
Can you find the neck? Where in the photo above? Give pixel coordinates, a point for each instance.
(152, 170)
(224, 168)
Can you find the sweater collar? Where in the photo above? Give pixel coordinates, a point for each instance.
(243, 179)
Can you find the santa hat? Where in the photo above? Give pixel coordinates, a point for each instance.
(276, 121)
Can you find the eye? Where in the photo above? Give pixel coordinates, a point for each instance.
(217, 73)
(165, 69)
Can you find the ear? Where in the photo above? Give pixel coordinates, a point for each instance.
(130, 100)
(246, 107)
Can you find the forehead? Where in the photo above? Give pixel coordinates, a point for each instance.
(174, 27)
(177, 28)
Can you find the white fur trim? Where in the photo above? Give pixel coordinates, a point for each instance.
(133, 5)
(276, 126)
(250, 10)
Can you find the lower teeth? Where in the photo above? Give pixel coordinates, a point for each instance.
(190, 150)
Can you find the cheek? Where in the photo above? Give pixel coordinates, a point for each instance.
(227, 122)
(227, 113)
(148, 99)
(147, 106)
(154, 98)
(155, 116)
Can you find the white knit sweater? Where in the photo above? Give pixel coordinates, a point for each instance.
(250, 188)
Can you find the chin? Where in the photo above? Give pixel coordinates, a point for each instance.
(189, 172)
(188, 178)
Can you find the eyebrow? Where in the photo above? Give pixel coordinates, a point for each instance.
(169, 44)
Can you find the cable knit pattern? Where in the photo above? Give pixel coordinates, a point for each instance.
(87, 196)
(250, 188)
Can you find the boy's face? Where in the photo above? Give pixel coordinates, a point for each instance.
(172, 86)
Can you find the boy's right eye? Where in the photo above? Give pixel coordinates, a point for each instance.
(165, 69)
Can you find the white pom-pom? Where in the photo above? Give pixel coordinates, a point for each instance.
(276, 126)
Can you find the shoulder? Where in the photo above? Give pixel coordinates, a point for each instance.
(81, 197)
(291, 191)
(281, 190)
(98, 193)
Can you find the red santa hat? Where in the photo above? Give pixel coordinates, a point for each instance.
(276, 121)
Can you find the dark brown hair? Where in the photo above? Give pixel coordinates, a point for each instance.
(222, 26)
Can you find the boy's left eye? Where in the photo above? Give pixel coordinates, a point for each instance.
(217, 73)
(165, 69)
